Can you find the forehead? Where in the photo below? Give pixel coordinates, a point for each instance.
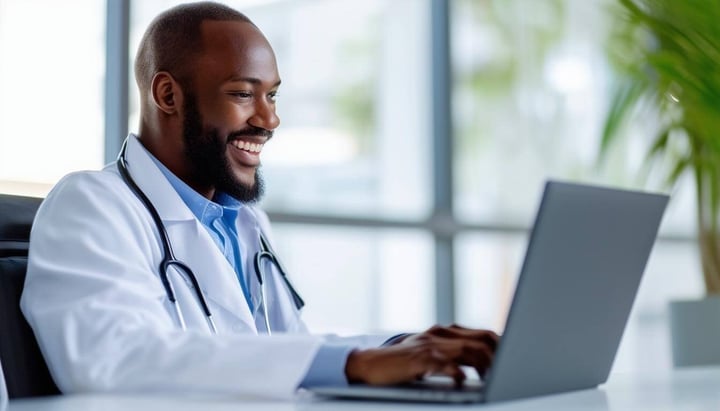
(235, 49)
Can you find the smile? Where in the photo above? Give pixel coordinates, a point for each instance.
(247, 146)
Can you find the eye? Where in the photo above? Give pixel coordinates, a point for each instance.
(241, 94)
(272, 96)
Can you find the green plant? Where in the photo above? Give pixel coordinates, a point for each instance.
(668, 55)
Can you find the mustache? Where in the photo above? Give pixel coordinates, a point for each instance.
(250, 131)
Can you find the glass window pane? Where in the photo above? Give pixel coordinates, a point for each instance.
(52, 68)
(359, 280)
(353, 104)
(532, 84)
(487, 269)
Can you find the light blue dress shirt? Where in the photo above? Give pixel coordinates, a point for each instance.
(219, 217)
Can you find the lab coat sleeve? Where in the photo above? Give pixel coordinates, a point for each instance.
(97, 307)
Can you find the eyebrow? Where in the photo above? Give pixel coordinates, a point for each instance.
(251, 80)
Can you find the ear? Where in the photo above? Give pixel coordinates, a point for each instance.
(166, 93)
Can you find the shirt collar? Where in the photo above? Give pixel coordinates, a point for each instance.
(223, 206)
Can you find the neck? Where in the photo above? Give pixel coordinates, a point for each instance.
(168, 148)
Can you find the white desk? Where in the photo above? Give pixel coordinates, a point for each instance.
(696, 389)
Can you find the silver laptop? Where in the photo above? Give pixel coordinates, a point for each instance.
(584, 261)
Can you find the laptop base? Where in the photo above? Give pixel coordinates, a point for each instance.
(420, 392)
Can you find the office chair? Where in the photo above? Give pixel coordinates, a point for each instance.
(26, 373)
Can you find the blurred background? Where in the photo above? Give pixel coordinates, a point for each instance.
(416, 137)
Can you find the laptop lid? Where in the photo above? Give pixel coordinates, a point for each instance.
(584, 261)
(582, 269)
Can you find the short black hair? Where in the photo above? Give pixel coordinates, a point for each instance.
(173, 39)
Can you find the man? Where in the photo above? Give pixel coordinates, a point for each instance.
(95, 297)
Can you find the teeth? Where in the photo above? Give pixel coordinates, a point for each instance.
(247, 146)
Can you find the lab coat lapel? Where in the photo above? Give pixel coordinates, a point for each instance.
(284, 317)
(216, 276)
(154, 184)
(248, 233)
(191, 242)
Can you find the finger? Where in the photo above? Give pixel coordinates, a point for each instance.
(460, 332)
(441, 364)
(466, 352)
(455, 372)
(479, 357)
(488, 336)
(491, 339)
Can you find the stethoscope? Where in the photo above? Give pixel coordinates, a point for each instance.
(265, 254)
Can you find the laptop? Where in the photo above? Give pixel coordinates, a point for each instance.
(587, 252)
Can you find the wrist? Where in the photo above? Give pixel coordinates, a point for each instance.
(355, 367)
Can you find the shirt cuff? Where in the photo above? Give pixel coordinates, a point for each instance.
(328, 366)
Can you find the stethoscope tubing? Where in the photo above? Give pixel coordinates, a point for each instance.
(169, 260)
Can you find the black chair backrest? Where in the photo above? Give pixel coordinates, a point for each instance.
(26, 373)
(16, 216)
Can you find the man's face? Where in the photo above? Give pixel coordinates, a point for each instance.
(206, 150)
(229, 109)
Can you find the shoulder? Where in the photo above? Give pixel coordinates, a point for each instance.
(90, 216)
(87, 189)
(84, 183)
(89, 198)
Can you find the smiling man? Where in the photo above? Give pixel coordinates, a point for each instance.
(220, 93)
(156, 273)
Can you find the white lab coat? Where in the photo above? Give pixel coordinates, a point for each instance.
(3, 391)
(102, 318)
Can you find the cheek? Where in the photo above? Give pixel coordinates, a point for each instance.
(221, 111)
(230, 117)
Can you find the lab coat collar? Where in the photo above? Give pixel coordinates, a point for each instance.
(154, 184)
(216, 276)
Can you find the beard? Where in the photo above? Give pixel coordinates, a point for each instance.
(206, 153)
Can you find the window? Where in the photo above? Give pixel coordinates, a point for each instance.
(52, 66)
(359, 280)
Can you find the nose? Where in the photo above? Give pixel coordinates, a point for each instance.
(265, 116)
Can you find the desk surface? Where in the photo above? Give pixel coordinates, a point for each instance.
(696, 389)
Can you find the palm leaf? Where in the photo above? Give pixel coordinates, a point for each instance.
(625, 98)
(675, 66)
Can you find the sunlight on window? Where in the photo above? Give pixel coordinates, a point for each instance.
(51, 104)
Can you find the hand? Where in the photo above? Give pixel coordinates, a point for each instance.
(439, 350)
